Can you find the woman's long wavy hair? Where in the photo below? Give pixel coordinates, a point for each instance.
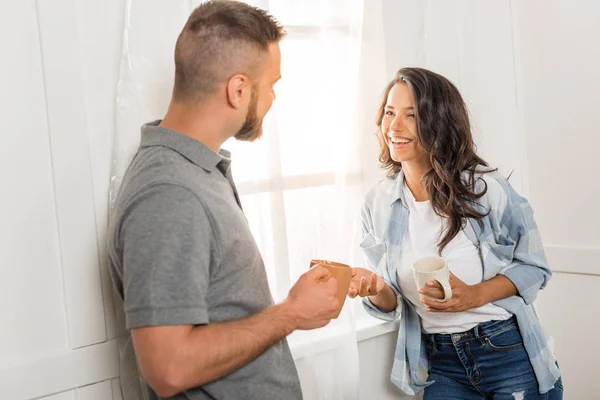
(444, 131)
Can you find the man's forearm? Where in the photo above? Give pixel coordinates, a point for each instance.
(214, 350)
(385, 300)
(201, 354)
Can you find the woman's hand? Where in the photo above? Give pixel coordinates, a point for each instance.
(365, 283)
(464, 297)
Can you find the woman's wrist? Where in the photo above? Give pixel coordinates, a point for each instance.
(497, 288)
(480, 294)
(385, 300)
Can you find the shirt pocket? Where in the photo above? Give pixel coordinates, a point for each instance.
(374, 253)
(503, 254)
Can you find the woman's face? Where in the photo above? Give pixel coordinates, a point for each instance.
(399, 126)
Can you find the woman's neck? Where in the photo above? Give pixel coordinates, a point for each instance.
(413, 174)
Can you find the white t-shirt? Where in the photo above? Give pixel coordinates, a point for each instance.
(424, 231)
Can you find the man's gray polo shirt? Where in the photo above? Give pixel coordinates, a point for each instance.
(181, 252)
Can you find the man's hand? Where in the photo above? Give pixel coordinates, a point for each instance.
(313, 298)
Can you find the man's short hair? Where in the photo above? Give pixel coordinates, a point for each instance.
(220, 39)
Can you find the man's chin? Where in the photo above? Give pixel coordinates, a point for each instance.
(248, 137)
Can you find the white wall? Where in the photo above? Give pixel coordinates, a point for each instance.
(376, 356)
(58, 75)
(560, 61)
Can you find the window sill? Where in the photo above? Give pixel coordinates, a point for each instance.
(309, 343)
(367, 328)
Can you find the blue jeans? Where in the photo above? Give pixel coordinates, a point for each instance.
(487, 362)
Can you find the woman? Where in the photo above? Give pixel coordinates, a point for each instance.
(442, 199)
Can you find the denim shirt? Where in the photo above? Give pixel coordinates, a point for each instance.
(509, 243)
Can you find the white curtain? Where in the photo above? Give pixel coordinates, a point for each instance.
(301, 184)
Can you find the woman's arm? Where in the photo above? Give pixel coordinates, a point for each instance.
(525, 275)
(382, 302)
(529, 271)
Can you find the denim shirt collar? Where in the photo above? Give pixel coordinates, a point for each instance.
(398, 189)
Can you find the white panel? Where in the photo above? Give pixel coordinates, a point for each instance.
(561, 59)
(97, 391)
(487, 82)
(568, 308)
(100, 26)
(70, 395)
(442, 48)
(59, 372)
(578, 260)
(31, 295)
(376, 356)
(116, 389)
(521, 172)
(404, 30)
(72, 171)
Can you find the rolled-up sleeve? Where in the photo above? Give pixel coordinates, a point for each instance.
(375, 260)
(529, 270)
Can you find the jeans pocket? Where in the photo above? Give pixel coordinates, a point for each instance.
(559, 383)
(430, 350)
(504, 340)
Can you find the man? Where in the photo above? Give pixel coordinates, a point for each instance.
(183, 260)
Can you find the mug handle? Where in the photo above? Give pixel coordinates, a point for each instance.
(447, 291)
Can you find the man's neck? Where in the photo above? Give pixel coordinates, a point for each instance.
(203, 124)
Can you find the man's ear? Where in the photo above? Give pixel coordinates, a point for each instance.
(238, 89)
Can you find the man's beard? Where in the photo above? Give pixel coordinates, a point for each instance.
(252, 128)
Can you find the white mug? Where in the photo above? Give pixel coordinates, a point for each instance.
(433, 269)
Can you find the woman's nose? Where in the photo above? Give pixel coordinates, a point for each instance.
(397, 125)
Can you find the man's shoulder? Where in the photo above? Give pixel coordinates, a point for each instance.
(159, 166)
(158, 176)
(158, 162)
